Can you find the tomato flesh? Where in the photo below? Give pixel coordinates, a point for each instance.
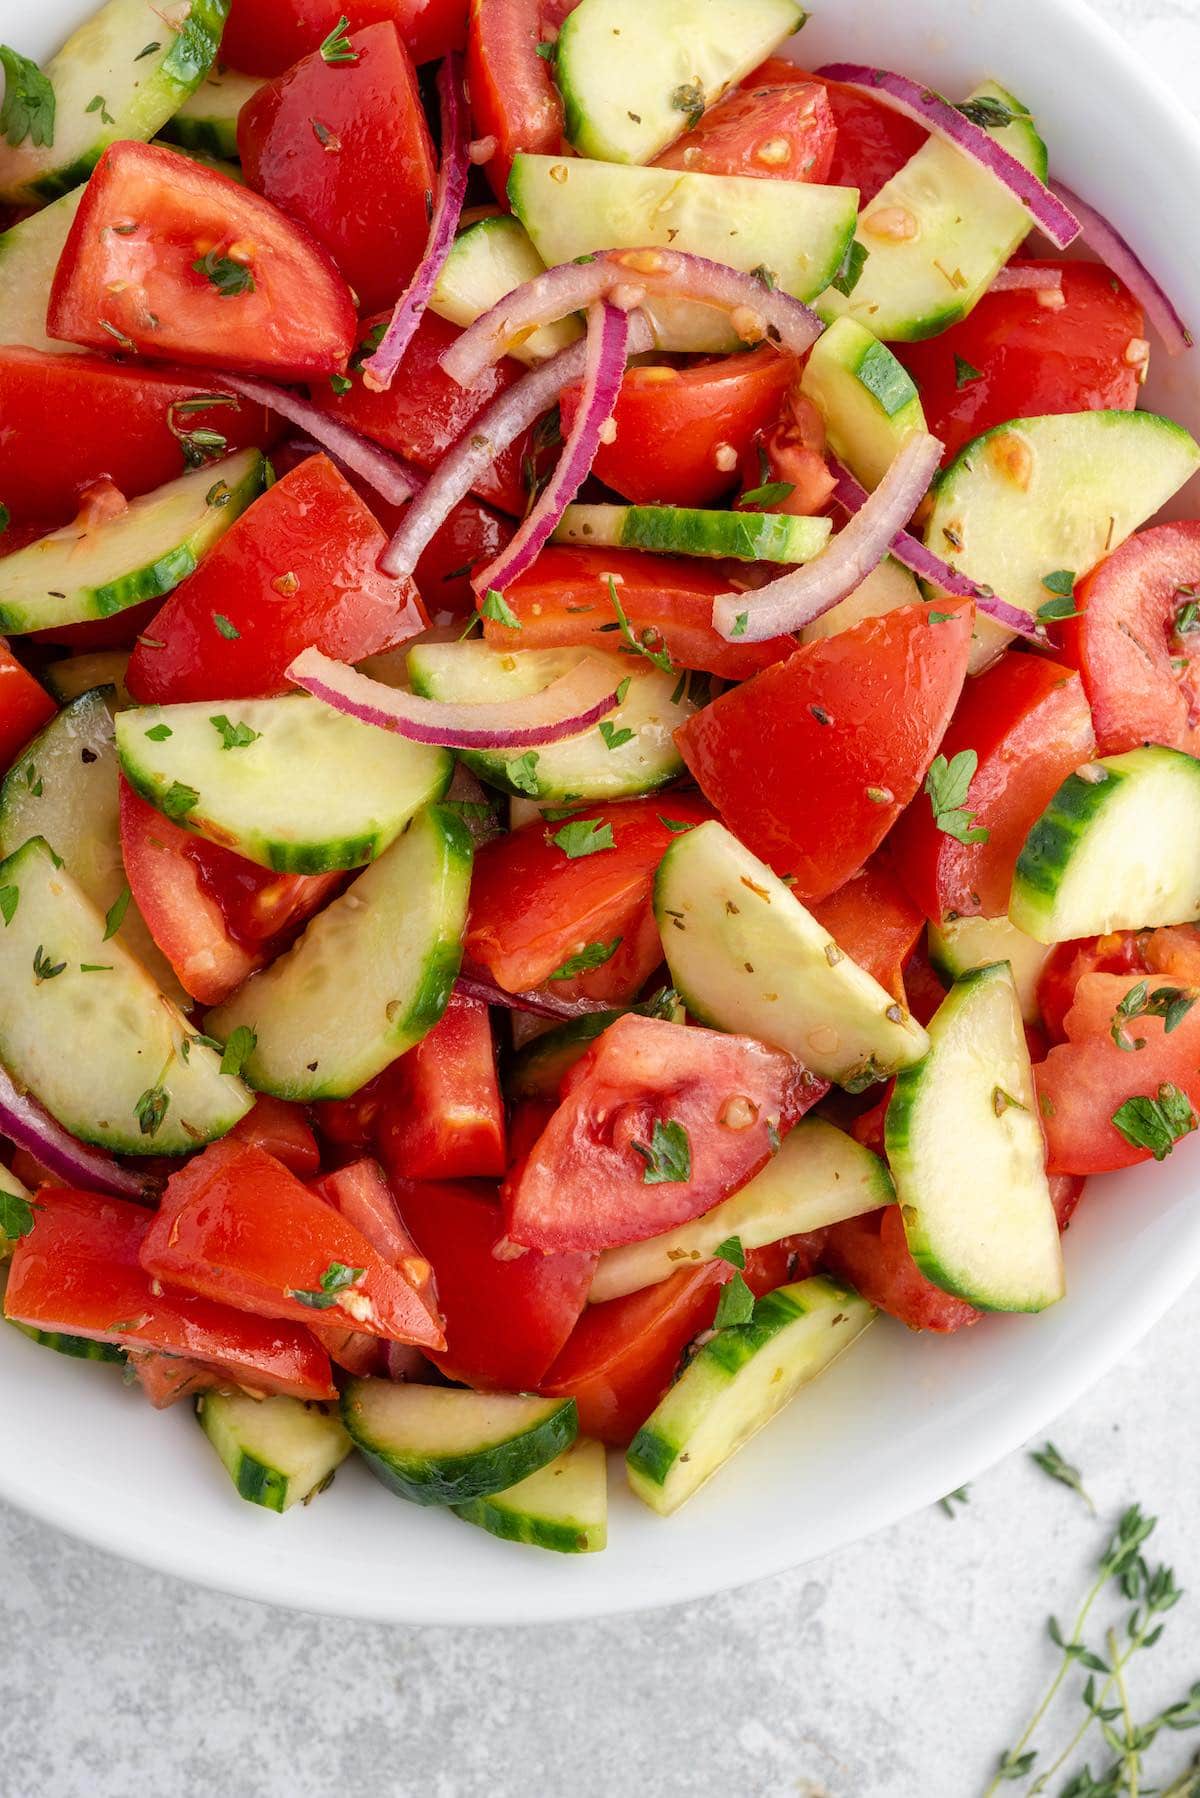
(513, 97)
(265, 37)
(874, 921)
(283, 1131)
(873, 141)
(444, 1118)
(871, 1252)
(1118, 953)
(778, 133)
(25, 706)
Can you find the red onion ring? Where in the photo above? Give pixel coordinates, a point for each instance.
(28, 1124)
(921, 104)
(625, 277)
(563, 709)
(476, 985)
(378, 467)
(604, 366)
(1026, 277)
(380, 368)
(1125, 263)
(803, 594)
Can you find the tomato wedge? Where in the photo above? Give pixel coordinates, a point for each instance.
(79, 1271)
(782, 133)
(170, 259)
(658, 1124)
(871, 1252)
(873, 141)
(873, 919)
(473, 533)
(812, 762)
(344, 148)
(24, 706)
(1027, 720)
(283, 1131)
(298, 568)
(513, 97)
(235, 1222)
(265, 37)
(1067, 963)
(681, 432)
(443, 1118)
(364, 1198)
(165, 1379)
(564, 599)
(533, 905)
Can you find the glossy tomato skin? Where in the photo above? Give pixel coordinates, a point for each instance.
(297, 569)
(292, 315)
(361, 1193)
(871, 1252)
(583, 1185)
(1061, 353)
(812, 761)
(265, 37)
(235, 1221)
(25, 706)
(73, 420)
(471, 534)
(873, 141)
(682, 431)
(791, 452)
(1028, 721)
(444, 1118)
(513, 97)
(79, 1271)
(1140, 671)
(563, 599)
(506, 1318)
(776, 133)
(166, 1379)
(283, 1131)
(533, 906)
(1118, 953)
(364, 200)
(873, 919)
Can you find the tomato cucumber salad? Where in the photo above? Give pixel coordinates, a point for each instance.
(602, 750)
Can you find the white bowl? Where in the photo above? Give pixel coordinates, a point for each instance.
(903, 1419)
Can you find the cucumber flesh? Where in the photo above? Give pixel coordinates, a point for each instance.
(820, 1176)
(311, 790)
(631, 84)
(74, 675)
(277, 1451)
(443, 1445)
(29, 253)
(64, 788)
(736, 1383)
(486, 262)
(958, 946)
(966, 1152)
(78, 573)
(746, 956)
(865, 396)
(1117, 848)
(1041, 495)
(139, 86)
(113, 1060)
(562, 1507)
(886, 588)
(937, 234)
(799, 233)
(585, 767)
(207, 120)
(370, 976)
(693, 531)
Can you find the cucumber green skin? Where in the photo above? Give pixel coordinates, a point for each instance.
(207, 137)
(1052, 842)
(540, 1532)
(460, 1479)
(538, 1068)
(82, 1348)
(693, 531)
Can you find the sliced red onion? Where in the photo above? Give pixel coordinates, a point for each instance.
(476, 985)
(378, 467)
(380, 368)
(28, 1124)
(625, 277)
(1026, 277)
(564, 708)
(912, 553)
(803, 594)
(921, 104)
(604, 365)
(1125, 263)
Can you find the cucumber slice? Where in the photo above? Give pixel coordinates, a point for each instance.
(64, 788)
(1117, 848)
(82, 673)
(370, 976)
(820, 1176)
(277, 1451)
(288, 783)
(207, 120)
(487, 261)
(692, 531)
(83, 1026)
(80, 1348)
(963, 944)
(75, 573)
(866, 397)
(966, 1153)
(139, 65)
(445, 1445)
(1039, 495)
(963, 226)
(736, 1383)
(29, 253)
(886, 587)
(585, 767)
(632, 84)
(746, 956)
(563, 1506)
(796, 231)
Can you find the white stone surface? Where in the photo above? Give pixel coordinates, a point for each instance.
(896, 1669)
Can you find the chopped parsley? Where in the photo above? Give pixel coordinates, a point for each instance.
(659, 657)
(97, 105)
(965, 372)
(669, 1156)
(238, 1050)
(496, 606)
(9, 899)
(225, 627)
(337, 46)
(583, 836)
(1170, 1003)
(688, 97)
(769, 495)
(521, 773)
(28, 109)
(335, 1280)
(592, 955)
(231, 279)
(731, 1250)
(158, 733)
(5, 519)
(16, 1215)
(735, 1305)
(614, 736)
(1187, 612)
(676, 826)
(115, 915)
(151, 1109)
(1156, 1124)
(179, 800)
(852, 264)
(233, 736)
(947, 784)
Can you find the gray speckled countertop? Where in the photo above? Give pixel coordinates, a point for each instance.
(896, 1669)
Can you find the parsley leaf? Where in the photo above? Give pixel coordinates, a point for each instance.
(547, 52)
(1187, 613)
(227, 630)
(669, 1157)
(731, 1250)
(336, 1278)
(965, 372)
(583, 836)
(521, 773)
(115, 915)
(660, 657)
(592, 955)
(613, 735)
(9, 900)
(769, 495)
(676, 826)
(16, 1215)
(97, 105)
(158, 733)
(28, 109)
(1060, 581)
(230, 278)
(5, 519)
(151, 1109)
(850, 272)
(1171, 1003)
(238, 1049)
(234, 736)
(947, 784)
(336, 47)
(688, 97)
(496, 606)
(739, 624)
(1156, 1124)
(1055, 610)
(178, 800)
(735, 1305)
